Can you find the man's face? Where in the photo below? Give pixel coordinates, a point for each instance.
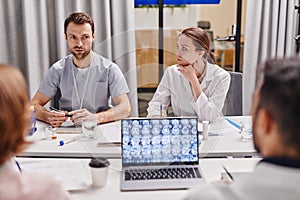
(80, 39)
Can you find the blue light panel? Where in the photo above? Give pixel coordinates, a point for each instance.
(175, 2)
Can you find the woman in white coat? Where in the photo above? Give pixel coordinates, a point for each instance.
(196, 86)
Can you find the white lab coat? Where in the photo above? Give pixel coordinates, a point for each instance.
(268, 181)
(32, 186)
(174, 88)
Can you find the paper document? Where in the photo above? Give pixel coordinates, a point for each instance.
(68, 123)
(71, 174)
(68, 127)
(235, 175)
(68, 130)
(110, 132)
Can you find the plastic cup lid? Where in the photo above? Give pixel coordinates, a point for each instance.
(99, 162)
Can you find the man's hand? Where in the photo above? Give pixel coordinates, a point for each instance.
(56, 118)
(78, 116)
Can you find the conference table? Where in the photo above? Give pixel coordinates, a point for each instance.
(224, 147)
(211, 169)
(224, 140)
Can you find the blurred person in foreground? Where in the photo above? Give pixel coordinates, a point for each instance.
(14, 125)
(276, 127)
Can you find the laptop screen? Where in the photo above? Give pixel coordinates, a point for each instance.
(159, 141)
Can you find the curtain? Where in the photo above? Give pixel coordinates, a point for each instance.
(270, 29)
(32, 36)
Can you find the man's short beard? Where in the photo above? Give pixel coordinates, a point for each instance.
(82, 56)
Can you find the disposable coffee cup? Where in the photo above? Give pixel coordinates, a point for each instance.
(99, 171)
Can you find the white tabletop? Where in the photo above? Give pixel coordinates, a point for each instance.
(41, 147)
(225, 142)
(211, 168)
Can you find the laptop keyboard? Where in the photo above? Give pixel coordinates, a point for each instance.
(162, 173)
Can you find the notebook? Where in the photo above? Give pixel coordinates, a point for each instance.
(159, 153)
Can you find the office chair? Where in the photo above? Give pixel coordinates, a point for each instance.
(233, 101)
(55, 100)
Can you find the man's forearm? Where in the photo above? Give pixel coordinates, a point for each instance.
(114, 114)
(40, 112)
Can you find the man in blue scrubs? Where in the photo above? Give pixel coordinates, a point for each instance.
(276, 128)
(87, 81)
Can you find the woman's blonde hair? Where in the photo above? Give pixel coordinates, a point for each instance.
(14, 112)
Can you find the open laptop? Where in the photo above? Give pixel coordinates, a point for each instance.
(160, 153)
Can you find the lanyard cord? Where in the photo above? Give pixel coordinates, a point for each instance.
(85, 85)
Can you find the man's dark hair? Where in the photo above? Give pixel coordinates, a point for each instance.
(79, 18)
(280, 96)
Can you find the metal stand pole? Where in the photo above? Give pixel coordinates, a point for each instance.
(297, 38)
(238, 36)
(160, 39)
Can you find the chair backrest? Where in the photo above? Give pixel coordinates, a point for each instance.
(233, 101)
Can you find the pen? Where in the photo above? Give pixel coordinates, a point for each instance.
(66, 114)
(101, 144)
(227, 172)
(160, 110)
(233, 123)
(214, 134)
(239, 126)
(62, 143)
(18, 165)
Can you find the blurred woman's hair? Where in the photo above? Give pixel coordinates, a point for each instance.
(14, 112)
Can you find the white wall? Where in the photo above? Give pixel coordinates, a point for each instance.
(222, 16)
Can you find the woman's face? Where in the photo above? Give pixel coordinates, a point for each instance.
(186, 51)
